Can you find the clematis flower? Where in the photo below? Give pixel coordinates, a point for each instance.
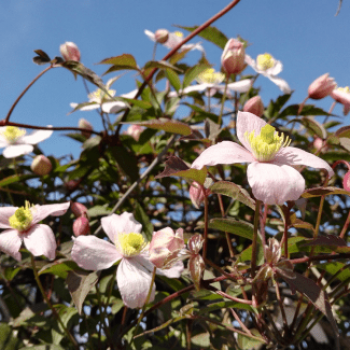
(321, 87)
(211, 81)
(21, 225)
(134, 274)
(271, 172)
(267, 66)
(342, 95)
(17, 143)
(174, 39)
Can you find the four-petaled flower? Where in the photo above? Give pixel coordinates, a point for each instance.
(134, 274)
(267, 66)
(271, 172)
(17, 142)
(21, 225)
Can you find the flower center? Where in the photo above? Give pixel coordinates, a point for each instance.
(344, 89)
(265, 61)
(22, 219)
(131, 243)
(209, 76)
(12, 133)
(99, 95)
(266, 145)
(179, 34)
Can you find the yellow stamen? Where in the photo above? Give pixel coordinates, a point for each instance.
(345, 89)
(179, 34)
(22, 219)
(266, 145)
(131, 243)
(99, 95)
(12, 133)
(265, 61)
(209, 76)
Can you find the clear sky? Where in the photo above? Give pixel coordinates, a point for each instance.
(304, 34)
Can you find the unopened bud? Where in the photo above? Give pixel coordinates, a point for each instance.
(233, 57)
(346, 181)
(321, 87)
(81, 226)
(198, 194)
(254, 105)
(161, 36)
(71, 185)
(41, 165)
(134, 131)
(83, 123)
(78, 209)
(320, 145)
(70, 51)
(196, 266)
(195, 244)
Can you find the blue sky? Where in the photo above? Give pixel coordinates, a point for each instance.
(304, 35)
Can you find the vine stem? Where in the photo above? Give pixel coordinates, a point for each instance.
(205, 244)
(54, 311)
(23, 93)
(255, 237)
(205, 25)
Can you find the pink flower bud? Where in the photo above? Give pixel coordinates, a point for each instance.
(81, 226)
(78, 209)
(165, 247)
(41, 165)
(83, 123)
(71, 185)
(321, 87)
(134, 131)
(161, 36)
(195, 243)
(254, 105)
(196, 266)
(273, 251)
(70, 51)
(198, 194)
(346, 181)
(233, 57)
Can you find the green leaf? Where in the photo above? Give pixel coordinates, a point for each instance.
(193, 73)
(59, 268)
(8, 341)
(336, 267)
(343, 132)
(98, 210)
(275, 106)
(202, 339)
(161, 65)
(248, 343)
(211, 34)
(313, 126)
(92, 142)
(28, 313)
(143, 219)
(234, 191)
(43, 347)
(174, 79)
(66, 314)
(79, 285)
(172, 126)
(223, 305)
(323, 191)
(15, 178)
(125, 61)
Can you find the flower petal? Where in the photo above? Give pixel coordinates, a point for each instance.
(173, 272)
(274, 184)
(3, 140)
(196, 46)
(225, 152)
(5, 214)
(40, 240)
(36, 136)
(113, 107)
(276, 69)
(281, 83)
(92, 253)
(295, 156)
(124, 223)
(150, 34)
(134, 282)
(238, 86)
(246, 123)
(10, 243)
(40, 212)
(12, 151)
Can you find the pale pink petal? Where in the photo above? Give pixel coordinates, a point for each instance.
(198, 87)
(197, 46)
(225, 152)
(10, 243)
(246, 123)
(134, 282)
(240, 86)
(274, 184)
(281, 83)
(150, 35)
(250, 62)
(295, 156)
(173, 272)
(3, 140)
(124, 223)
(276, 69)
(113, 107)
(40, 240)
(131, 94)
(341, 96)
(36, 136)
(90, 107)
(5, 214)
(92, 253)
(40, 212)
(12, 151)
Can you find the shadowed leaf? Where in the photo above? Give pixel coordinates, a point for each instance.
(172, 126)
(323, 191)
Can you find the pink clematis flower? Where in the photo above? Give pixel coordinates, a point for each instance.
(270, 172)
(342, 95)
(21, 225)
(134, 274)
(17, 143)
(267, 66)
